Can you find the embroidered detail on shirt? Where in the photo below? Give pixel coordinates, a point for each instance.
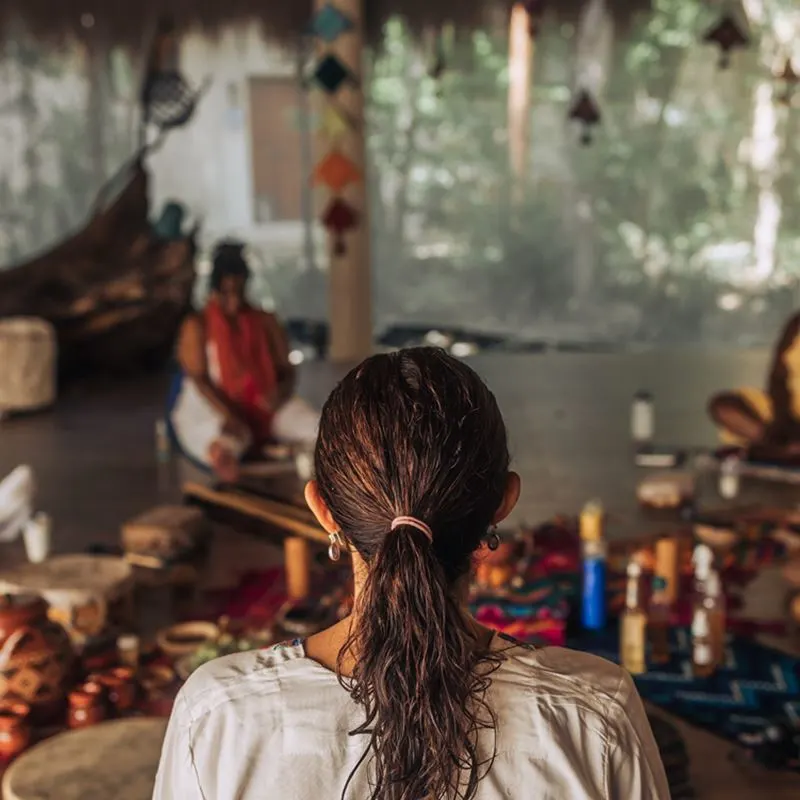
(286, 645)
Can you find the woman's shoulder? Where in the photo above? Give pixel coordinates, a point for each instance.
(230, 679)
(569, 675)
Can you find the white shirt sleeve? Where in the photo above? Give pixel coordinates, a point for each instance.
(635, 768)
(177, 777)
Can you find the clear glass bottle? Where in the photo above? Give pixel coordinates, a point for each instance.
(702, 645)
(714, 603)
(659, 622)
(633, 624)
(703, 562)
(667, 567)
(729, 477)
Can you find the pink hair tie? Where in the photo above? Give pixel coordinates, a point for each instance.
(413, 522)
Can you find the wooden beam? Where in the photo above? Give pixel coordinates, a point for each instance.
(295, 521)
(520, 80)
(350, 282)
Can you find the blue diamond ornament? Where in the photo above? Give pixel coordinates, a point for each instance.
(330, 23)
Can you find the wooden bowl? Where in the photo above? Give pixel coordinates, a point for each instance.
(186, 638)
(717, 538)
(791, 573)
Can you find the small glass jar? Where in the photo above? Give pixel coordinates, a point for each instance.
(15, 730)
(86, 706)
(128, 646)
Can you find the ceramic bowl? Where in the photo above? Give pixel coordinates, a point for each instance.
(186, 638)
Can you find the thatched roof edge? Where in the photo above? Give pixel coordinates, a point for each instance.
(118, 23)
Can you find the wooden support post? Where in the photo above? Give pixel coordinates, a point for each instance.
(350, 285)
(520, 71)
(297, 555)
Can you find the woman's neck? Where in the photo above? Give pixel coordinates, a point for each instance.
(326, 646)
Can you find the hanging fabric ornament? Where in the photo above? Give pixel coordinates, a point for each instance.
(168, 101)
(331, 74)
(337, 172)
(727, 34)
(790, 79)
(329, 23)
(585, 111)
(535, 9)
(336, 123)
(439, 61)
(340, 218)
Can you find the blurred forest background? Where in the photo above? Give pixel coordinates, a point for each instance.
(680, 223)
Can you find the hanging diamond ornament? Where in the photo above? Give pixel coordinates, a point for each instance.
(337, 172)
(790, 80)
(727, 34)
(331, 74)
(585, 111)
(336, 123)
(330, 23)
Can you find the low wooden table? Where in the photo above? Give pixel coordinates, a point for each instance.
(274, 506)
(116, 760)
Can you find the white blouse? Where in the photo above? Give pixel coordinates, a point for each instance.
(274, 724)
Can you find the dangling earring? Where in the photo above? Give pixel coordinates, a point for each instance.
(493, 541)
(335, 548)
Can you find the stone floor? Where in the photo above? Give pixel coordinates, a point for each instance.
(568, 419)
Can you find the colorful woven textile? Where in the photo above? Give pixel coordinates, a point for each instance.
(757, 687)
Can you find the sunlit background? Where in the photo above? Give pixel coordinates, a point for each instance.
(680, 223)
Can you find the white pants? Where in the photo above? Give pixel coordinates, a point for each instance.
(17, 492)
(197, 424)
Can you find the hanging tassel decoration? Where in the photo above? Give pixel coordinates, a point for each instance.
(439, 63)
(586, 112)
(790, 79)
(728, 35)
(339, 219)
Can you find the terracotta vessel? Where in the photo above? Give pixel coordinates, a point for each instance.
(121, 686)
(87, 705)
(15, 731)
(36, 658)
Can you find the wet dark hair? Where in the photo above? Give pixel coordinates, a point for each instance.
(416, 433)
(228, 261)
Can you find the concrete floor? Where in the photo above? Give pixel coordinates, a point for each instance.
(568, 419)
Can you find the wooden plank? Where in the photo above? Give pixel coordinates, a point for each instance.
(282, 515)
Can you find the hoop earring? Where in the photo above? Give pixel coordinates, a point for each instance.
(335, 547)
(493, 541)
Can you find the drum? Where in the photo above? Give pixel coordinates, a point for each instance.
(116, 760)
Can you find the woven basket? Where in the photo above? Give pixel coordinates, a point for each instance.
(28, 354)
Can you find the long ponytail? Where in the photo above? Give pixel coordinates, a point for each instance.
(421, 676)
(415, 432)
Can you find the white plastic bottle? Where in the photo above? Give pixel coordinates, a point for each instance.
(643, 418)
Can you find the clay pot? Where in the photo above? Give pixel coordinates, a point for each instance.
(120, 683)
(36, 658)
(87, 705)
(15, 731)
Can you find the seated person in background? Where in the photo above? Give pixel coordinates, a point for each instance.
(235, 391)
(767, 423)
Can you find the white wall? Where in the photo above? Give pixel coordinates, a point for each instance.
(207, 165)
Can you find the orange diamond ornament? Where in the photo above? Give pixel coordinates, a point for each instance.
(336, 171)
